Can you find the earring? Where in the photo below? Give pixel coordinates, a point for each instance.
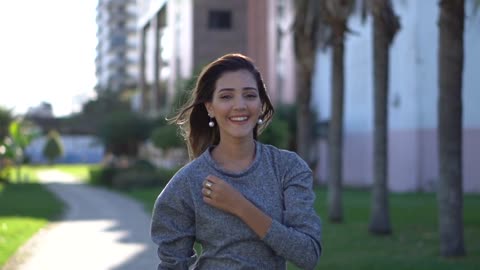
(211, 123)
(260, 121)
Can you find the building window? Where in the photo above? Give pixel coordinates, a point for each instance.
(220, 19)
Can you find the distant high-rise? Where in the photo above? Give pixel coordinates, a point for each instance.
(117, 57)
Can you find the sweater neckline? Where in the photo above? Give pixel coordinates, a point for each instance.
(212, 163)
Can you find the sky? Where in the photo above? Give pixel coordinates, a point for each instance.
(47, 54)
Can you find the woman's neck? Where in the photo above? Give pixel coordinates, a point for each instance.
(234, 156)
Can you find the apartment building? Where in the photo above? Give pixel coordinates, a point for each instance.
(117, 49)
(178, 37)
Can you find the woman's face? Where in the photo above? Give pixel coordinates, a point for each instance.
(235, 105)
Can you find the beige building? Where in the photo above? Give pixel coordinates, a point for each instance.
(178, 37)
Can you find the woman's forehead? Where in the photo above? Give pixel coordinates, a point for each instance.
(238, 79)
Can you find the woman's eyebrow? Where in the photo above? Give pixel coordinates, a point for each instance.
(233, 89)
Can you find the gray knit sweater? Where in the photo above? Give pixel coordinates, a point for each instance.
(278, 182)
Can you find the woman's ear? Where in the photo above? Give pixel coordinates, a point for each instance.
(208, 107)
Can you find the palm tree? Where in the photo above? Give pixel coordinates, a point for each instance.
(335, 14)
(450, 69)
(306, 27)
(385, 26)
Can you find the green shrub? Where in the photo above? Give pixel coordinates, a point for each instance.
(277, 133)
(122, 132)
(140, 175)
(128, 179)
(53, 148)
(143, 164)
(165, 174)
(166, 137)
(102, 176)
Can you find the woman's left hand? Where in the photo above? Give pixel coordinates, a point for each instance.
(220, 194)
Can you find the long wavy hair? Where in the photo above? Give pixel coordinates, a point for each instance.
(193, 116)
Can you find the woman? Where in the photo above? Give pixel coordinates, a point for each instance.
(249, 205)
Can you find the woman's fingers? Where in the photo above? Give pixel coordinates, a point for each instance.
(208, 184)
(207, 192)
(213, 179)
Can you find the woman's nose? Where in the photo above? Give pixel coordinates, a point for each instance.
(239, 103)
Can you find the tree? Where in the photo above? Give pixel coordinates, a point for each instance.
(106, 102)
(5, 119)
(166, 136)
(336, 14)
(53, 147)
(450, 71)
(385, 26)
(306, 29)
(20, 135)
(122, 132)
(320, 24)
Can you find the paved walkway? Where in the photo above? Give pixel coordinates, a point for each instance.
(101, 230)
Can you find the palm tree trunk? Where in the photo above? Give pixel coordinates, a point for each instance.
(305, 44)
(380, 216)
(304, 77)
(450, 69)
(335, 136)
(385, 25)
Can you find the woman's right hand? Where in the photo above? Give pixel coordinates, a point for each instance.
(220, 194)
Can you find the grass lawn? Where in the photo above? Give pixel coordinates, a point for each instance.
(26, 206)
(24, 209)
(414, 243)
(80, 171)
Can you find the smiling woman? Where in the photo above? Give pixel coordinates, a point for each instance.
(218, 81)
(249, 205)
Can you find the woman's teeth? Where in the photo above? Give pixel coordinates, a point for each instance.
(243, 118)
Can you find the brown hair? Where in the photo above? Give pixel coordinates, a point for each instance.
(193, 116)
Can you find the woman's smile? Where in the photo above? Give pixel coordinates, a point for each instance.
(238, 119)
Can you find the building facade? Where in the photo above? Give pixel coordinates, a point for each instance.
(117, 48)
(178, 37)
(412, 103)
(76, 149)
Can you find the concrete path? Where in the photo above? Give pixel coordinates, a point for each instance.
(101, 230)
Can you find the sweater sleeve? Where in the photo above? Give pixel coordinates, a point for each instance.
(298, 237)
(172, 227)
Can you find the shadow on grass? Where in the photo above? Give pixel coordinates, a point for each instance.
(29, 200)
(95, 216)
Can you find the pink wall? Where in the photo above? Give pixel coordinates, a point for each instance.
(471, 160)
(357, 160)
(405, 159)
(428, 171)
(413, 164)
(261, 38)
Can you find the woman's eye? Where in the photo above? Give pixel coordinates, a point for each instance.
(225, 97)
(251, 96)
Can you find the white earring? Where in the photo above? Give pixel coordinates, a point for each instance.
(211, 123)
(260, 121)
